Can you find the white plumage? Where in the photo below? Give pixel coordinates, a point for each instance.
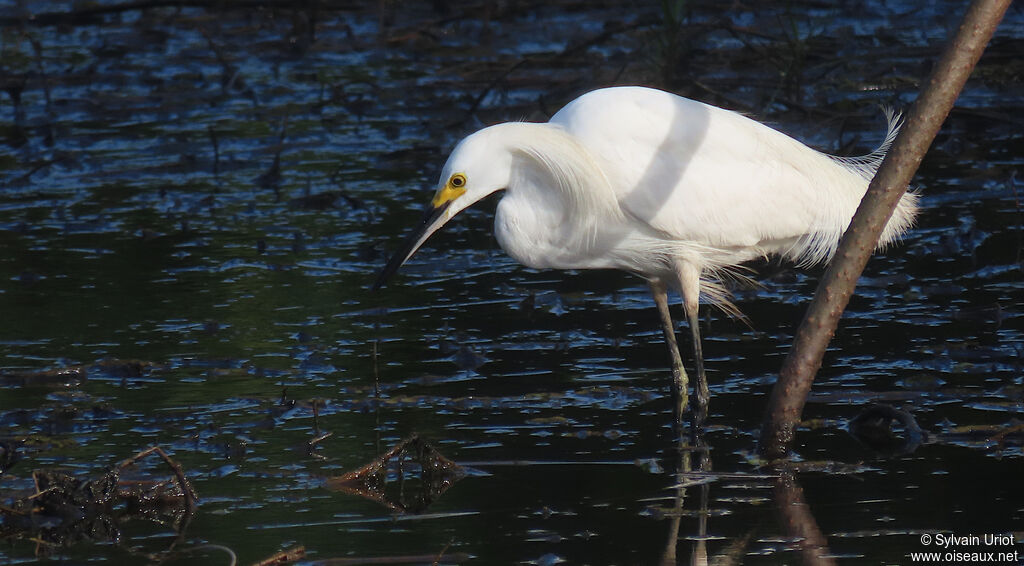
(677, 191)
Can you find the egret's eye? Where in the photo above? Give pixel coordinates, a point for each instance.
(457, 181)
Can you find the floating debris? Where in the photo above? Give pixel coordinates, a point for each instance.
(286, 556)
(72, 376)
(407, 478)
(874, 428)
(61, 377)
(65, 509)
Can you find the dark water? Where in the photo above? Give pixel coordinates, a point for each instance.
(193, 203)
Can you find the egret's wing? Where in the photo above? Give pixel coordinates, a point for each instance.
(700, 174)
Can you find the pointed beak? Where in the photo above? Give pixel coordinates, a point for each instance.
(433, 218)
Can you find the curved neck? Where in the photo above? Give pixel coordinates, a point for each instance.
(560, 171)
(559, 209)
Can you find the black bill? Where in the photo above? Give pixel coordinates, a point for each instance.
(433, 218)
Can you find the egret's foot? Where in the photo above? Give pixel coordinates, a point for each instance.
(701, 399)
(680, 392)
(700, 409)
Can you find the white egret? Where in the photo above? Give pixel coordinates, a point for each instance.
(674, 190)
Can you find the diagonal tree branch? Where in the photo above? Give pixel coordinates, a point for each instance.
(890, 183)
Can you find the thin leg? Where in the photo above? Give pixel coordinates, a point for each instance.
(680, 386)
(680, 381)
(689, 279)
(703, 396)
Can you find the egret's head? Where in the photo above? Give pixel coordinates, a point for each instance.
(477, 167)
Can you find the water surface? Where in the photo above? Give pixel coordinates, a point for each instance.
(194, 202)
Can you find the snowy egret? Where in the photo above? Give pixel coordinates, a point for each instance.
(677, 191)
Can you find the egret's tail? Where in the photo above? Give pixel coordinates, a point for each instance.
(906, 210)
(867, 165)
(821, 246)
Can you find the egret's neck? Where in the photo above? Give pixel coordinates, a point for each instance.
(558, 201)
(547, 159)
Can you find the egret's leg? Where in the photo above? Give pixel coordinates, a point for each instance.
(689, 280)
(703, 396)
(680, 381)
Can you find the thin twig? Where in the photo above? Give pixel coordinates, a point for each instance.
(440, 555)
(231, 553)
(191, 500)
(286, 556)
